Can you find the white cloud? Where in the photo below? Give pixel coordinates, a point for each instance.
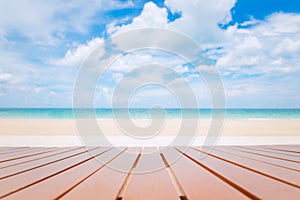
(270, 46)
(195, 14)
(251, 22)
(278, 24)
(181, 69)
(262, 48)
(131, 61)
(286, 47)
(47, 22)
(144, 97)
(73, 58)
(200, 19)
(3, 40)
(151, 17)
(207, 69)
(5, 77)
(256, 57)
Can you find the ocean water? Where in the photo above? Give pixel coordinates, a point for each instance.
(67, 113)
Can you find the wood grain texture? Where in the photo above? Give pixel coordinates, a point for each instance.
(226, 172)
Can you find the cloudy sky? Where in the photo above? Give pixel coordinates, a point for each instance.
(255, 45)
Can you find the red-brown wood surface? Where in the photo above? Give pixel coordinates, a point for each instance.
(287, 148)
(50, 153)
(26, 179)
(291, 152)
(261, 158)
(66, 180)
(150, 179)
(17, 152)
(258, 185)
(107, 182)
(272, 154)
(7, 150)
(278, 173)
(226, 172)
(196, 181)
(17, 156)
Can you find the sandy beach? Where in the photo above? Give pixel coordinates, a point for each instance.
(63, 132)
(231, 127)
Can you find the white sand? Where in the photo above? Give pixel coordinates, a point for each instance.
(49, 132)
(46, 127)
(61, 141)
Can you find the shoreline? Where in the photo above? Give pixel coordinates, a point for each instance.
(204, 118)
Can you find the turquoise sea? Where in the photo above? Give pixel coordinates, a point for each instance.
(67, 113)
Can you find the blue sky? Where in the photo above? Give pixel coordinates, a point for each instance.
(254, 44)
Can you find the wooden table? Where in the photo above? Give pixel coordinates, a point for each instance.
(224, 172)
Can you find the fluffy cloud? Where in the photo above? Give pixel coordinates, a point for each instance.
(200, 19)
(151, 17)
(269, 46)
(74, 57)
(256, 58)
(47, 22)
(5, 77)
(246, 54)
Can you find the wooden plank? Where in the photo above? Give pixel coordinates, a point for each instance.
(18, 150)
(37, 157)
(280, 163)
(264, 149)
(268, 154)
(27, 166)
(261, 187)
(63, 182)
(18, 155)
(6, 149)
(289, 150)
(148, 184)
(24, 180)
(278, 173)
(106, 183)
(197, 182)
(226, 173)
